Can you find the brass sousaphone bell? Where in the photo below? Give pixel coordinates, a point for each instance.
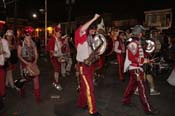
(103, 44)
(150, 46)
(99, 47)
(99, 44)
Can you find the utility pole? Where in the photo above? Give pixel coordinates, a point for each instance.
(45, 11)
(15, 18)
(5, 10)
(69, 3)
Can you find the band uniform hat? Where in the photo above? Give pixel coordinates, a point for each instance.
(137, 30)
(58, 28)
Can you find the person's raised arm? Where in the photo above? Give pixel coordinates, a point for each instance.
(87, 24)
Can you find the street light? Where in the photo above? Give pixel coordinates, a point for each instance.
(45, 21)
(34, 15)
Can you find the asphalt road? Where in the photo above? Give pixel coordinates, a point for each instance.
(108, 92)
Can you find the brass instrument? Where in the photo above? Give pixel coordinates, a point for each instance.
(98, 47)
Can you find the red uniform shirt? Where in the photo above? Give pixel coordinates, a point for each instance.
(79, 37)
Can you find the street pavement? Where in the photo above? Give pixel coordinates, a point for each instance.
(108, 92)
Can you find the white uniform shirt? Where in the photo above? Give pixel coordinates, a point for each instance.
(57, 48)
(83, 50)
(5, 48)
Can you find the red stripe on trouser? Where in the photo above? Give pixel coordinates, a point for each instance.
(133, 83)
(120, 60)
(2, 82)
(86, 96)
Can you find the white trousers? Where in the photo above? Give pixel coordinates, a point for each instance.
(66, 66)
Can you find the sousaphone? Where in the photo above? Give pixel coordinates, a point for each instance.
(104, 44)
(99, 46)
(150, 46)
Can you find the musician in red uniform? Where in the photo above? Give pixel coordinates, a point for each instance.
(134, 62)
(98, 66)
(83, 35)
(120, 53)
(54, 49)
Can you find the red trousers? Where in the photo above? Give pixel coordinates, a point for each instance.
(133, 84)
(2, 82)
(56, 64)
(86, 96)
(120, 59)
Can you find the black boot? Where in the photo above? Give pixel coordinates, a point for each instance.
(153, 112)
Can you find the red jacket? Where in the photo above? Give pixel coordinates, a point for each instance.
(51, 44)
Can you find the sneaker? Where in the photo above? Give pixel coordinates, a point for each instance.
(78, 88)
(136, 93)
(153, 112)
(57, 86)
(95, 82)
(154, 92)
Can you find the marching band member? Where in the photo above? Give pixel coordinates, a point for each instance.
(28, 56)
(148, 75)
(66, 66)
(83, 45)
(54, 48)
(114, 33)
(134, 62)
(4, 53)
(99, 65)
(120, 53)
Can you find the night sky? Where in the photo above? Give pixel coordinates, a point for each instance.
(58, 10)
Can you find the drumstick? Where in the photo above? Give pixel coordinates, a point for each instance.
(152, 60)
